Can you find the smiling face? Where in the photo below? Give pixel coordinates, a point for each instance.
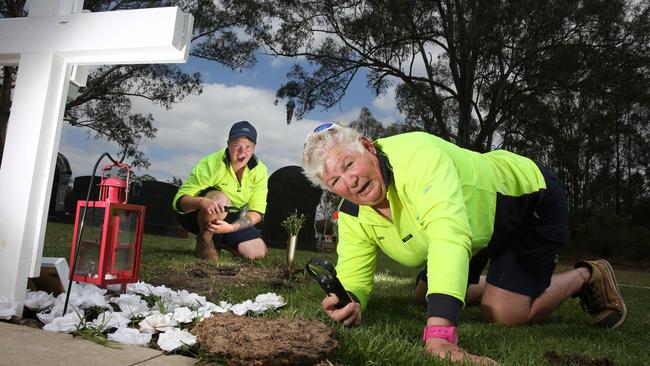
(355, 175)
(240, 151)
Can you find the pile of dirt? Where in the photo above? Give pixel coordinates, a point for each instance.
(266, 342)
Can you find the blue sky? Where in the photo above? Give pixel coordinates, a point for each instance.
(198, 125)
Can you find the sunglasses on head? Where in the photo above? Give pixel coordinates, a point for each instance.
(323, 127)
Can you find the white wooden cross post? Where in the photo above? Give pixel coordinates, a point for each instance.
(45, 45)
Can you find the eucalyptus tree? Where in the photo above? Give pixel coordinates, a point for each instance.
(463, 69)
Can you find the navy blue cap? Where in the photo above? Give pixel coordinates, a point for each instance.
(243, 128)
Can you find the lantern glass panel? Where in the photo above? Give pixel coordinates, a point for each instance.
(90, 244)
(124, 250)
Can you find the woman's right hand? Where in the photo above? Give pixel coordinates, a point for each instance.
(350, 314)
(211, 207)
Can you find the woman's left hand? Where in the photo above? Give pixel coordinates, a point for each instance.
(221, 227)
(444, 349)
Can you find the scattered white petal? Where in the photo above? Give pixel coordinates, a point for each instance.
(162, 291)
(66, 324)
(221, 308)
(132, 304)
(8, 308)
(270, 300)
(185, 298)
(85, 289)
(109, 320)
(74, 304)
(204, 315)
(175, 338)
(157, 323)
(94, 299)
(130, 336)
(38, 300)
(184, 315)
(246, 306)
(141, 288)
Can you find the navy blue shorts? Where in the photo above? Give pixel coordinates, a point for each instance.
(529, 233)
(189, 221)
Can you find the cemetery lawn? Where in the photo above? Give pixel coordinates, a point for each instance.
(392, 324)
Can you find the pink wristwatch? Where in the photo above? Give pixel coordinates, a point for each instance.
(448, 333)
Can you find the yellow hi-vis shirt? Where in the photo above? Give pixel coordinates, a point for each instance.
(442, 201)
(215, 172)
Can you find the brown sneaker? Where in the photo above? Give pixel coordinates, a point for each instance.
(600, 296)
(205, 249)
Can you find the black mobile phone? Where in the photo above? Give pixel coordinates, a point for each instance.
(324, 273)
(233, 213)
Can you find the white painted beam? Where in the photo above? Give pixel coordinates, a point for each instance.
(115, 37)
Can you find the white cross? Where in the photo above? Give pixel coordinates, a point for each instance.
(45, 45)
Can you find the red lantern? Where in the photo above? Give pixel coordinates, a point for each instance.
(111, 242)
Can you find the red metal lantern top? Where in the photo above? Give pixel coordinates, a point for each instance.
(113, 187)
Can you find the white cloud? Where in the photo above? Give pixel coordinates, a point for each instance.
(386, 102)
(198, 126)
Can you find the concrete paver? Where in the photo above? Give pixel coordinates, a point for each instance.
(22, 345)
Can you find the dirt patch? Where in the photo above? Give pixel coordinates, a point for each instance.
(209, 280)
(29, 322)
(266, 342)
(576, 360)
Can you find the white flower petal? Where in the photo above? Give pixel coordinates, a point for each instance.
(132, 304)
(66, 324)
(175, 338)
(141, 288)
(157, 323)
(162, 291)
(184, 315)
(270, 300)
(190, 299)
(129, 336)
(109, 320)
(242, 308)
(38, 300)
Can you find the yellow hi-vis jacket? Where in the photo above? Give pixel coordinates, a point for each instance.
(442, 202)
(215, 172)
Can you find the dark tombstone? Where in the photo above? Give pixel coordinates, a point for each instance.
(160, 218)
(62, 174)
(80, 190)
(289, 190)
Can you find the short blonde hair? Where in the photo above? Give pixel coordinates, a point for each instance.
(320, 142)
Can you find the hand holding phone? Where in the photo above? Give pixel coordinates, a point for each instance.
(324, 273)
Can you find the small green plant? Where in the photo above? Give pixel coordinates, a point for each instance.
(293, 223)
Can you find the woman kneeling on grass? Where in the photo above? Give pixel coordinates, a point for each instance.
(425, 201)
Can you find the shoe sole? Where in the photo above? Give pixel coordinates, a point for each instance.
(611, 280)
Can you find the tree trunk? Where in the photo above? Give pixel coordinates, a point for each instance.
(617, 181)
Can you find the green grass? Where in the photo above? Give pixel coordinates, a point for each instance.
(393, 323)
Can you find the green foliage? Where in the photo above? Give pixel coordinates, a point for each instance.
(607, 235)
(293, 223)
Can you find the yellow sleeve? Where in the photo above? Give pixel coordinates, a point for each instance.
(434, 189)
(200, 178)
